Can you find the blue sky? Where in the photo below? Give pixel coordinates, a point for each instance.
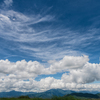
(48, 42)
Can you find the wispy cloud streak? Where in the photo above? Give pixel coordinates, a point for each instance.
(36, 36)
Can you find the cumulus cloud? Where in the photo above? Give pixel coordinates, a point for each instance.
(51, 83)
(21, 75)
(20, 69)
(43, 85)
(24, 70)
(68, 62)
(88, 74)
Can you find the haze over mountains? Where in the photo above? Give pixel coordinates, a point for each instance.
(50, 93)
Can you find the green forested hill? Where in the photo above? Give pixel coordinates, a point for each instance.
(84, 95)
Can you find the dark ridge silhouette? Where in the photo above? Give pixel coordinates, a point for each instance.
(24, 97)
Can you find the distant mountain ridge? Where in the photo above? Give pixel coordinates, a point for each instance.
(14, 94)
(51, 93)
(47, 94)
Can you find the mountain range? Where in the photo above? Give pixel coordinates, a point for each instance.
(14, 94)
(50, 93)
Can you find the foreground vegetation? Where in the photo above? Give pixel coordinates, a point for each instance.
(53, 98)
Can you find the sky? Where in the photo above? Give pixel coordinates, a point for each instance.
(49, 44)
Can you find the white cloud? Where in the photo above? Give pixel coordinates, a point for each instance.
(12, 75)
(68, 62)
(17, 26)
(25, 70)
(8, 2)
(26, 31)
(20, 69)
(50, 83)
(89, 73)
(44, 84)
